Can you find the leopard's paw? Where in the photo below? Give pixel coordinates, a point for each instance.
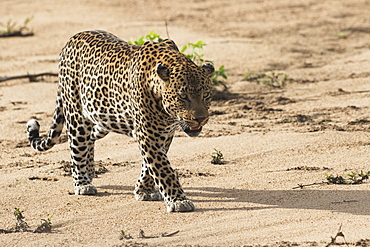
(88, 189)
(148, 196)
(180, 206)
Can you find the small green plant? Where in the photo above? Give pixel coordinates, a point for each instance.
(196, 54)
(219, 73)
(13, 29)
(123, 235)
(353, 178)
(271, 79)
(151, 36)
(21, 225)
(45, 225)
(217, 157)
(342, 35)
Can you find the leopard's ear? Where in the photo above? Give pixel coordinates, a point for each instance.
(163, 72)
(209, 69)
(170, 44)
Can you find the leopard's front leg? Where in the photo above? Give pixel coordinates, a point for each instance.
(145, 188)
(157, 166)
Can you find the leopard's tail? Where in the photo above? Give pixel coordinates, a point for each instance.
(52, 137)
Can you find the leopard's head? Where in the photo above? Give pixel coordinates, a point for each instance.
(186, 93)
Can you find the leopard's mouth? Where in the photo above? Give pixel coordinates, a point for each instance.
(192, 128)
(192, 131)
(195, 128)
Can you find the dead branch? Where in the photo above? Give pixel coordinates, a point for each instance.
(168, 34)
(31, 77)
(170, 234)
(301, 186)
(339, 234)
(6, 231)
(142, 234)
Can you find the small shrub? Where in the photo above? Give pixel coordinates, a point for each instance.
(123, 235)
(219, 73)
(217, 157)
(197, 53)
(45, 225)
(342, 35)
(13, 29)
(21, 225)
(271, 79)
(151, 36)
(353, 178)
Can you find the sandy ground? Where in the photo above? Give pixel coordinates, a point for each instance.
(272, 138)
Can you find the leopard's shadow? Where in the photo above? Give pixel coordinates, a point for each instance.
(123, 190)
(345, 201)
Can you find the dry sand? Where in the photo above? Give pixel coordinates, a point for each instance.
(272, 138)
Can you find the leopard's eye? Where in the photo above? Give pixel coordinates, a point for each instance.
(183, 96)
(206, 95)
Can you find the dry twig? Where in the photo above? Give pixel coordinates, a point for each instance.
(142, 235)
(339, 234)
(170, 234)
(31, 77)
(301, 186)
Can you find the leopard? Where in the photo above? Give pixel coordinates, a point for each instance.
(146, 91)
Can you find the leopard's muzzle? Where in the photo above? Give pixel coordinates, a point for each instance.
(193, 127)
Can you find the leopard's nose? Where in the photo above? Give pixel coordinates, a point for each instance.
(201, 120)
